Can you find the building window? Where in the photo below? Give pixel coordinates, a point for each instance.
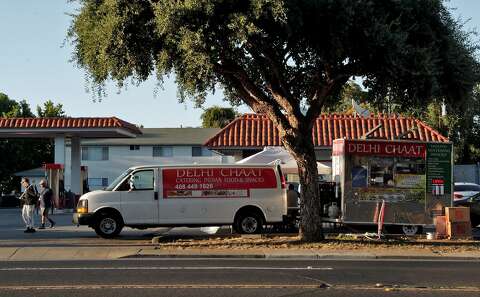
(95, 153)
(98, 182)
(198, 151)
(134, 147)
(162, 151)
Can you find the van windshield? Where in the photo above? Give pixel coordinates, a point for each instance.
(117, 180)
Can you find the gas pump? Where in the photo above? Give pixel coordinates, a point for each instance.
(83, 184)
(55, 177)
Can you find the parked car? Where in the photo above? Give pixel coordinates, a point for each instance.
(9, 201)
(474, 203)
(463, 191)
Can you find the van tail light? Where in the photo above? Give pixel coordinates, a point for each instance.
(457, 196)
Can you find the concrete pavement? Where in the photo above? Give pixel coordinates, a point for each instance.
(44, 253)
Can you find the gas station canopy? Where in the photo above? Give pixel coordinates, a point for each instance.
(74, 129)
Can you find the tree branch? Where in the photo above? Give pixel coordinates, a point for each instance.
(251, 94)
(276, 83)
(320, 94)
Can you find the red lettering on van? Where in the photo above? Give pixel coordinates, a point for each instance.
(215, 179)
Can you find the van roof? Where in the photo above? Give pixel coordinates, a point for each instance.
(271, 165)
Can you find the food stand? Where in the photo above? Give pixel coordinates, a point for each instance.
(413, 180)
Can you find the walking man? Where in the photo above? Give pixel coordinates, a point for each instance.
(29, 198)
(46, 203)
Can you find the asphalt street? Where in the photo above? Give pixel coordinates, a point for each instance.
(12, 227)
(219, 277)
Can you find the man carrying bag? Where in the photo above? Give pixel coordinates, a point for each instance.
(30, 198)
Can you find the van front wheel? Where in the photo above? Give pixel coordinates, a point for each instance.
(108, 225)
(249, 223)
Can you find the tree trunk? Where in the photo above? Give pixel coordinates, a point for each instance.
(304, 154)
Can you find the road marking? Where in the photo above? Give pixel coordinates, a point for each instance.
(165, 268)
(148, 286)
(234, 286)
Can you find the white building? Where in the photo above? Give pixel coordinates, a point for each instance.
(108, 158)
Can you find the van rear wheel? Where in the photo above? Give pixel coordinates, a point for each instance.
(249, 223)
(108, 225)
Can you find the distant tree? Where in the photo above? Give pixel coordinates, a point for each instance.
(6, 104)
(18, 154)
(287, 59)
(13, 109)
(460, 125)
(350, 91)
(50, 110)
(217, 117)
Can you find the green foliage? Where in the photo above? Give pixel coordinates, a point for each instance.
(350, 91)
(217, 117)
(391, 44)
(50, 110)
(13, 109)
(462, 126)
(17, 154)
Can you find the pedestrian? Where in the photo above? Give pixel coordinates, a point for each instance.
(46, 203)
(292, 202)
(292, 196)
(29, 198)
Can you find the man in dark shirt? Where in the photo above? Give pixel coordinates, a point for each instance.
(46, 203)
(29, 198)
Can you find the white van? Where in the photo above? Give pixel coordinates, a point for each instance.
(244, 196)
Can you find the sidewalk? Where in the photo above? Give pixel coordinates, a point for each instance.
(275, 247)
(110, 253)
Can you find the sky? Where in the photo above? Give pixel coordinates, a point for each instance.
(35, 66)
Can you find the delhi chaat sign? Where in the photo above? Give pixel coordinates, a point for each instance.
(397, 149)
(216, 182)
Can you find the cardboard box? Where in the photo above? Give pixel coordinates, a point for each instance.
(457, 214)
(459, 230)
(440, 227)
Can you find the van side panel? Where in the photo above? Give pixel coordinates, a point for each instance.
(210, 195)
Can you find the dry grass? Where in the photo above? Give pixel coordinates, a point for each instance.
(341, 243)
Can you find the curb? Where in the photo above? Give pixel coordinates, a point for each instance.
(301, 257)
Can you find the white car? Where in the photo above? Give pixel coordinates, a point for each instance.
(464, 191)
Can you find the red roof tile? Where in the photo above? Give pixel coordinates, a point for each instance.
(256, 130)
(61, 123)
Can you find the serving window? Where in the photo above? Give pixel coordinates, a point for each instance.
(387, 172)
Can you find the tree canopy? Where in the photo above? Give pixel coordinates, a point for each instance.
(217, 117)
(18, 154)
(287, 59)
(50, 110)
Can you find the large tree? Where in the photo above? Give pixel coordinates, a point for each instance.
(283, 58)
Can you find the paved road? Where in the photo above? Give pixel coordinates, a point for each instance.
(216, 277)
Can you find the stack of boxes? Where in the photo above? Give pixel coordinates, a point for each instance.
(440, 227)
(458, 223)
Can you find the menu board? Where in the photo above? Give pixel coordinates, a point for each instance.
(439, 168)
